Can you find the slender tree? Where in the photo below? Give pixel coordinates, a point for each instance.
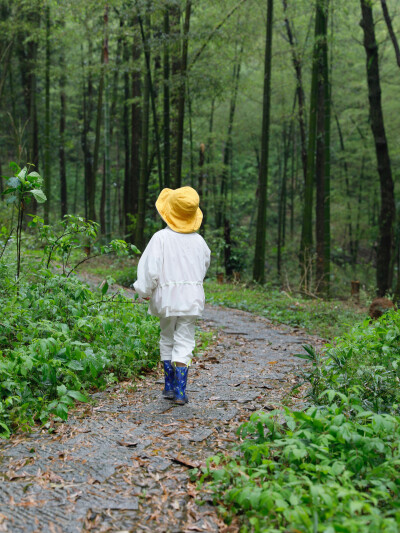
(182, 94)
(107, 130)
(322, 168)
(166, 99)
(306, 232)
(259, 257)
(298, 68)
(391, 31)
(144, 153)
(47, 169)
(61, 148)
(387, 214)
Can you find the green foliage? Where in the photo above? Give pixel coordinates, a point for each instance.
(325, 318)
(58, 339)
(365, 361)
(314, 471)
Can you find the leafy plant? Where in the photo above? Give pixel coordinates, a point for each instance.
(21, 188)
(315, 471)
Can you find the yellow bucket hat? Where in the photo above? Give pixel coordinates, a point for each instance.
(179, 209)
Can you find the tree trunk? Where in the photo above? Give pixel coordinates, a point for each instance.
(87, 115)
(47, 170)
(391, 31)
(297, 64)
(323, 95)
(125, 129)
(144, 154)
(387, 214)
(107, 132)
(146, 48)
(306, 233)
(227, 154)
(61, 149)
(181, 95)
(132, 184)
(259, 257)
(166, 100)
(96, 151)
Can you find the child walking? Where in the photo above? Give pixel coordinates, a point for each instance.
(170, 274)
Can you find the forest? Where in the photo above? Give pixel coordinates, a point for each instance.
(282, 114)
(286, 129)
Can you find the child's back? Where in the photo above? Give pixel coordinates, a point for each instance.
(172, 270)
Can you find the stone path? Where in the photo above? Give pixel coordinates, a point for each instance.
(122, 465)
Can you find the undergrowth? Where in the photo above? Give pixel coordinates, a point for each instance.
(336, 466)
(59, 339)
(327, 319)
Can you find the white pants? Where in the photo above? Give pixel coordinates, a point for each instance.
(177, 339)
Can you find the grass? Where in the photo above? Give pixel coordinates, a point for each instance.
(326, 318)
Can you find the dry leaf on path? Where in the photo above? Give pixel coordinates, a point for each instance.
(127, 444)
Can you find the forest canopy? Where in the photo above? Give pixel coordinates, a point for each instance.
(282, 114)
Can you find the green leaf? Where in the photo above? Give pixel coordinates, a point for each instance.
(13, 183)
(39, 195)
(77, 396)
(61, 390)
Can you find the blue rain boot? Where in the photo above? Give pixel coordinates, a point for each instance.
(181, 374)
(169, 376)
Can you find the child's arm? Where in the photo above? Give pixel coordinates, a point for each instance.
(148, 271)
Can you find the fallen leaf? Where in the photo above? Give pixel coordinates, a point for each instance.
(127, 444)
(185, 462)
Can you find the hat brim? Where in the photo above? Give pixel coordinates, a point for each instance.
(188, 225)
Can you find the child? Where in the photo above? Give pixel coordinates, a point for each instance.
(170, 274)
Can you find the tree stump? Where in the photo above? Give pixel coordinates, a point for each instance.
(379, 307)
(220, 277)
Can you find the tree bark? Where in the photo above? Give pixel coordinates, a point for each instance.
(131, 187)
(144, 153)
(322, 146)
(387, 214)
(297, 64)
(61, 149)
(182, 94)
(47, 170)
(107, 131)
(96, 151)
(392, 34)
(306, 232)
(166, 100)
(259, 257)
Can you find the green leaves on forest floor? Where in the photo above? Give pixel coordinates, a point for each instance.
(315, 471)
(324, 318)
(58, 338)
(335, 467)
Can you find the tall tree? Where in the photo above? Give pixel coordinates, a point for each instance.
(322, 166)
(131, 186)
(144, 153)
(61, 149)
(306, 231)
(182, 94)
(387, 214)
(107, 130)
(298, 68)
(259, 256)
(166, 99)
(47, 170)
(391, 31)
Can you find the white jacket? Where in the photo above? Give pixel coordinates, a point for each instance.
(171, 272)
